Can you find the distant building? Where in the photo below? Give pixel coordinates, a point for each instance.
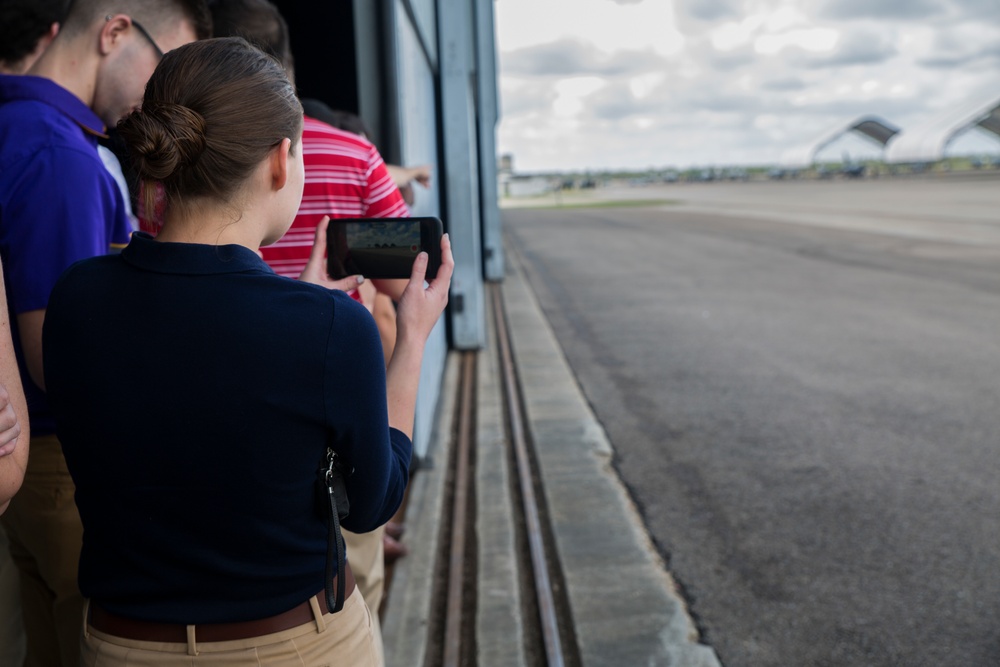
(525, 186)
(880, 131)
(928, 141)
(506, 164)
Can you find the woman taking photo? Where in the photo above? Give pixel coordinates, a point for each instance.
(197, 393)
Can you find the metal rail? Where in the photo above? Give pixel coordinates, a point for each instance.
(457, 630)
(536, 545)
(457, 557)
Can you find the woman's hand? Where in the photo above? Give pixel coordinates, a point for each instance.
(418, 312)
(420, 306)
(10, 428)
(315, 271)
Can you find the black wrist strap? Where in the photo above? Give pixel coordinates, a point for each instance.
(334, 492)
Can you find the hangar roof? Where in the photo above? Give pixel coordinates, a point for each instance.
(873, 127)
(927, 142)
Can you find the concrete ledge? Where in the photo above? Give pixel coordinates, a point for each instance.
(499, 622)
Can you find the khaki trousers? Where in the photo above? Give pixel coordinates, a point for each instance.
(345, 638)
(11, 620)
(366, 552)
(45, 534)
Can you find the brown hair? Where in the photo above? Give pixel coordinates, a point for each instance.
(212, 112)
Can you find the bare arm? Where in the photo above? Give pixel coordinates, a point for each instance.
(14, 432)
(403, 177)
(391, 287)
(384, 312)
(30, 327)
(418, 312)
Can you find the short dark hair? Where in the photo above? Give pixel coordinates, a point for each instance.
(257, 21)
(212, 111)
(154, 14)
(22, 24)
(342, 120)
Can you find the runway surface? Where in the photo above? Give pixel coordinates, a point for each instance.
(802, 385)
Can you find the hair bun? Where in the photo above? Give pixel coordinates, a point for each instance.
(164, 138)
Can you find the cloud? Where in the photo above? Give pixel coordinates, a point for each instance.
(882, 9)
(748, 80)
(859, 47)
(708, 10)
(977, 9)
(720, 60)
(682, 99)
(519, 98)
(617, 101)
(946, 61)
(573, 57)
(784, 84)
(958, 46)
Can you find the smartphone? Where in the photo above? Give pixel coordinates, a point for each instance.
(382, 247)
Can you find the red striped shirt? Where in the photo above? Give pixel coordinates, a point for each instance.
(345, 178)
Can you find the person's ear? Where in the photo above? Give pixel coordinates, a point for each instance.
(113, 31)
(279, 164)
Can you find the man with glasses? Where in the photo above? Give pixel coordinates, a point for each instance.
(58, 204)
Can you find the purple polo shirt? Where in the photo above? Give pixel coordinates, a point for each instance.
(58, 203)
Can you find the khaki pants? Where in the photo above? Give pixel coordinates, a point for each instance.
(345, 638)
(45, 534)
(11, 620)
(366, 552)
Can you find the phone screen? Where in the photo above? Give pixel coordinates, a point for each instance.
(382, 247)
(401, 235)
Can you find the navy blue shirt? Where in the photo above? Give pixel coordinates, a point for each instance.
(195, 452)
(58, 203)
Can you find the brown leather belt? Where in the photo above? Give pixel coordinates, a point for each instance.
(151, 631)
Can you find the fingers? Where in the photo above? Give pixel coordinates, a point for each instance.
(9, 440)
(10, 429)
(319, 243)
(344, 284)
(419, 270)
(315, 271)
(447, 268)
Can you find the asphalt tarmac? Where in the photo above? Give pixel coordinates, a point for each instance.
(801, 382)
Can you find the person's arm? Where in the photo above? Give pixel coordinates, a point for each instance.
(403, 177)
(418, 312)
(14, 432)
(370, 409)
(391, 287)
(384, 312)
(29, 326)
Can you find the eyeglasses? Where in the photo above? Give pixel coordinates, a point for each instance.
(149, 38)
(145, 33)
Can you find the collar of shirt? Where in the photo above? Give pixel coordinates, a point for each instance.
(145, 253)
(14, 87)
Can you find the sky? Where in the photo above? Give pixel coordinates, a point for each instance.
(636, 84)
